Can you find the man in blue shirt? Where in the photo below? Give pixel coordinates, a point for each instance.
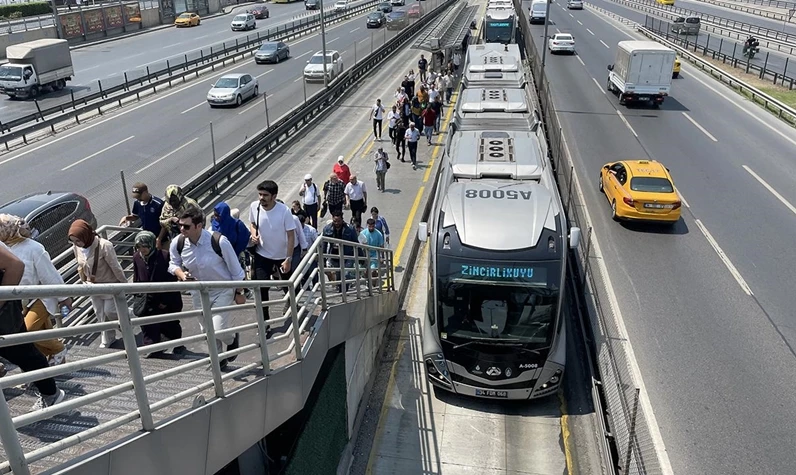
(147, 208)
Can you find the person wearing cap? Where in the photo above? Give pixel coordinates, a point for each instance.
(341, 170)
(381, 166)
(309, 199)
(146, 208)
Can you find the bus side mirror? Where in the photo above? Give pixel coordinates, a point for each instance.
(422, 232)
(610, 67)
(574, 237)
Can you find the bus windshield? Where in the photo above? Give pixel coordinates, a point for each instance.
(509, 302)
(499, 31)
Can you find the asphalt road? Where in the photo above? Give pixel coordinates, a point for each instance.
(107, 62)
(717, 363)
(166, 139)
(775, 62)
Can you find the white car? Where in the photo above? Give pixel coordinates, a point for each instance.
(397, 3)
(575, 4)
(340, 6)
(313, 71)
(244, 21)
(561, 42)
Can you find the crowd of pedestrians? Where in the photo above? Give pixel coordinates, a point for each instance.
(175, 245)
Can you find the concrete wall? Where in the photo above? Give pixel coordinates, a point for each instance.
(23, 36)
(360, 359)
(214, 6)
(150, 17)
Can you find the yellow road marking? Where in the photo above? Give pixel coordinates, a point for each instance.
(565, 434)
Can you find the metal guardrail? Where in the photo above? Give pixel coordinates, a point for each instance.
(628, 442)
(770, 3)
(755, 11)
(135, 83)
(781, 110)
(308, 293)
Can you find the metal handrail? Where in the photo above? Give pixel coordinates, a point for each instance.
(359, 276)
(171, 73)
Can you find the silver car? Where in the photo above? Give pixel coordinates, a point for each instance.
(232, 89)
(244, 21)
(575, 4)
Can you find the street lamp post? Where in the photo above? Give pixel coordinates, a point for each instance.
(323, 47)
(546, 23)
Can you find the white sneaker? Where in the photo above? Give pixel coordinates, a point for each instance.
(58, 358)
(47, 401)
(107, 344)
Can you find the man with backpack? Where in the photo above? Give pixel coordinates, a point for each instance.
(198, 254)
(310, 199)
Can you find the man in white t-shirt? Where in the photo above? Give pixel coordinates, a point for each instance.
(273, 232)
(356, 194)
(393, 116)
(377, 114)
(309, 199)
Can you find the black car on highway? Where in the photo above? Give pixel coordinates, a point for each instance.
(49, 216)
(385, 7)
(397, 20)
(376, 19)
(312, 4)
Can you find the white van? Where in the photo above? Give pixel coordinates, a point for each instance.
(538, 11)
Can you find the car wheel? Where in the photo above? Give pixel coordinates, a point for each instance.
(238, 101)
(614, 216)
(34, 91)
(600, 184)
(256, 91)
(198, 22)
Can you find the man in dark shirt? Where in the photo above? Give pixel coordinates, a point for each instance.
(436, 105)
(338, 229)
(147, 208)
(422, 65)
(334, 194)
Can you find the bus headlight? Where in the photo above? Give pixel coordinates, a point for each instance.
(554, 380)
(437, 370)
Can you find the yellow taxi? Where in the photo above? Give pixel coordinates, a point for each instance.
(665, 2)
(187, 19)
(676, 68)
(640, 190)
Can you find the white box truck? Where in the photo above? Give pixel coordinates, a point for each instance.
(642, 72)
(34, 66)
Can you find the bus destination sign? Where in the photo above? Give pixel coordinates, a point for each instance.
(503, 273)
(499, 24)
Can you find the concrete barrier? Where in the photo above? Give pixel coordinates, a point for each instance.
(23, 36)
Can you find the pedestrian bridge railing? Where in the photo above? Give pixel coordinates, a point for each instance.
(352, 272)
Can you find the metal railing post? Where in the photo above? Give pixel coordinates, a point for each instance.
(358, 270)
(212, 349)
(322, 276)
(343, 283)
(291, 290)
(8, 435)
(262, 331)
(134, 362)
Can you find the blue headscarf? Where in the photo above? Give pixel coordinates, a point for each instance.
(225, 224)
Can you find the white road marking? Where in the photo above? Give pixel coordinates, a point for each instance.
(726, 260)
(366, 39)
(298, 79)
(621, 116)
(682, 198)
(332, 40)
(355, 29)
(581, 62)
(711, 137)
(571, 15)
(603, 42)
(591, 32)
(747, 112)
(600, 88)
(194, 107)
(771, 189)
(302, 55)
(263, 74)
(252, 106)
(168, 155)
(98, 153)
(579, 22)
(613, 25)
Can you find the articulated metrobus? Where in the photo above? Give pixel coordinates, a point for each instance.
(499, 25)
(498, 242)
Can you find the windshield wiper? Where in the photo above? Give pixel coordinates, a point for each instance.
(491, 341)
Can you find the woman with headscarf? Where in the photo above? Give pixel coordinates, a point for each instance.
(97, 264)
(233, 229)
(152, 265)
(39, 270)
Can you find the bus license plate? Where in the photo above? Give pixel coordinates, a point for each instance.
(491, 393)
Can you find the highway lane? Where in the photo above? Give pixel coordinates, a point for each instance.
(170, 133)
(775, 61)
(107, 62)
(717, 363)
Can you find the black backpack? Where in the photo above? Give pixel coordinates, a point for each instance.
(216, 241)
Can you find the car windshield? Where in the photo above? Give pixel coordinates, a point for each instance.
(340, 4)
(268, 47)
(398, 14)
(374, 16)
(226, 83)
(649, 184)
(692, 20)
(185, 15)
(539, 7)
(240, 18)
(318, 59)
(10, 73)
(563, 37)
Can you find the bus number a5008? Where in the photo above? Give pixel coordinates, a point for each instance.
(498, 194)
